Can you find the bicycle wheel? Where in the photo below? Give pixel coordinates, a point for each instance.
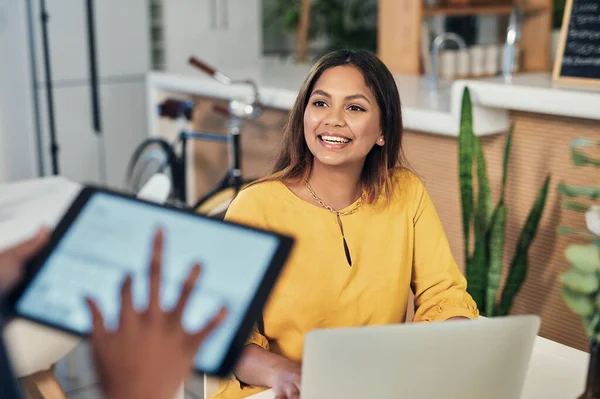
(151, 157)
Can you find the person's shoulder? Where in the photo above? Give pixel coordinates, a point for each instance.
(248, 206)
(254, 196)
(259, 191)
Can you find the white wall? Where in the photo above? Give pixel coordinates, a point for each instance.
(18, 156)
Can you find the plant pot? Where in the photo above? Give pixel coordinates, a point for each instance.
(592, 385)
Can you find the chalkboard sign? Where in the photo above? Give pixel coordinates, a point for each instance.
(578, 53)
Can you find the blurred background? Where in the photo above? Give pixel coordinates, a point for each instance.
(85, 83)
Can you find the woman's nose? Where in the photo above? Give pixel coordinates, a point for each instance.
(335, 117)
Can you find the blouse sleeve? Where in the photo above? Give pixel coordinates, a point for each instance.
(439, 287)
(246, 209)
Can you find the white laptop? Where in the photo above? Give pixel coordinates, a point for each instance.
(481, 359)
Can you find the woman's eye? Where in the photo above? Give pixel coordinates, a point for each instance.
(356, 108)
(319, 103)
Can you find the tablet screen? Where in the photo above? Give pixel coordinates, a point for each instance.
(112, 236)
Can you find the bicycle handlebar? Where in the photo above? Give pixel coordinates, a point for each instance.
(221, 110)
(209, 70)
(221, 77)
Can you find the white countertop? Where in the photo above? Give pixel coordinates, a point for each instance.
(535, 92)
(425, 110)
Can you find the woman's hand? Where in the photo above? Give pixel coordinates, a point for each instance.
(12, 260)
(150, 354)
(285, 381)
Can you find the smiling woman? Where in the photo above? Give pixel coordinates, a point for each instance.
(366, 230)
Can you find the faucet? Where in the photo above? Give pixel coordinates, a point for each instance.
(435, 55)
(513, 34)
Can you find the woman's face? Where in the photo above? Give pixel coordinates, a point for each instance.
(341, 120)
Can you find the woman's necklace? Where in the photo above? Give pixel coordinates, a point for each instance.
(337, 214)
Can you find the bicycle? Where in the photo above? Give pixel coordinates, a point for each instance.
(156, 155)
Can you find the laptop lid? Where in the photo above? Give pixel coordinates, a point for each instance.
(485, 358)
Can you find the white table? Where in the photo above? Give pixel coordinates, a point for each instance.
(24, 207)
(555, 372)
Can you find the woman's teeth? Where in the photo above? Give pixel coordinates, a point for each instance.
(335, 139)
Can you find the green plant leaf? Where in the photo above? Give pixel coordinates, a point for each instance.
(581, 304)
(575, 206)
(581, 233)
(477, 273)
(579, 158)
(585, 258)
(590, 323)
(579, 281)
(507, 147)
(496, 247)
(484, 210)
(576, 191)
(466, 139)
(291, 19)
(518, 267)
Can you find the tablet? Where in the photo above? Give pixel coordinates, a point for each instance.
(105, 235)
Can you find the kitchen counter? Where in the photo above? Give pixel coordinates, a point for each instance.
(424, 109)
(535, 92)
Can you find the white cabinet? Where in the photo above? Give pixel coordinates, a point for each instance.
(223, 33)
(123, 125)
(242, 38)
(67, 39)
(78, 155)
(123, 37)
(85, 156)
(188, 29)
(122, 34)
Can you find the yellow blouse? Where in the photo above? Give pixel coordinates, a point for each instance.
(394, 249)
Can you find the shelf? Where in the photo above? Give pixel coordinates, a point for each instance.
(469, 10)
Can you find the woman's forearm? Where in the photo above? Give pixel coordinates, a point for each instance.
(258, 366)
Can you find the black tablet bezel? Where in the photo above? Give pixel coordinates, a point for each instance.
(252, 314)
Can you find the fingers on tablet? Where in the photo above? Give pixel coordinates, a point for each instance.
(186, 291)
(155, 273)
(98, 328)
(127, 309)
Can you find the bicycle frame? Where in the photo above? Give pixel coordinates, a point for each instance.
(240, 109)
(233, 176)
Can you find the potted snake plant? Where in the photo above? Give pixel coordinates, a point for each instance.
(484, 265)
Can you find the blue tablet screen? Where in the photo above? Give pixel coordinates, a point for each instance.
(112, 236)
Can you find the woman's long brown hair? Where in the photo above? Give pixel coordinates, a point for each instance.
(295, 159)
